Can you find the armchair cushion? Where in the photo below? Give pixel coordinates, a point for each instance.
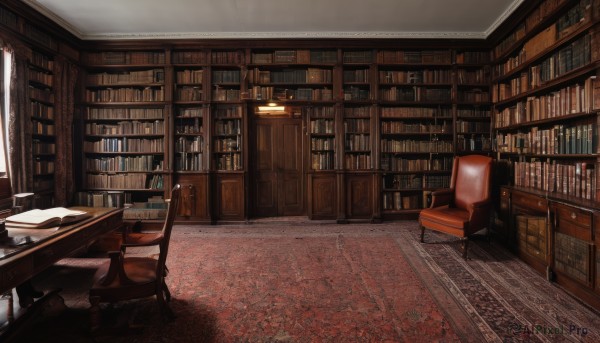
(446, 219)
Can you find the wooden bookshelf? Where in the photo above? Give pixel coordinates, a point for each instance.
(126, 129)
(43, 134)
(545, 122)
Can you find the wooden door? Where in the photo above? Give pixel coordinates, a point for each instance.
(277, 169)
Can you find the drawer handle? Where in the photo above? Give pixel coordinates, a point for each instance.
(539, 203)
(573, 215)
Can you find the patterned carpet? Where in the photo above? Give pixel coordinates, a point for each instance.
(299, 281)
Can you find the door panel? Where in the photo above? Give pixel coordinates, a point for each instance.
(278, 187)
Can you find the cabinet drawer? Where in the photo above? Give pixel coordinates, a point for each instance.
(574, 222)
(530, 201)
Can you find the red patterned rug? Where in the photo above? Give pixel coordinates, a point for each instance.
(306, 282)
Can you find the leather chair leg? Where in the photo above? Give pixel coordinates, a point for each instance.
(465, 247)
(422, 233)
(95, 315)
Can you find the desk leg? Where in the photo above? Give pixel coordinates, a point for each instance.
(27, 293)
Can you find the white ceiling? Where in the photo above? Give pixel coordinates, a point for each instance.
(147, 19)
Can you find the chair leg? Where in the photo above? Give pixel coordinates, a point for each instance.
(166, 291)
(422, 233)
(465, 247)
(164, 307)
(95, 315)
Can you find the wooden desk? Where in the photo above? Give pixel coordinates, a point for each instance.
(21, 263)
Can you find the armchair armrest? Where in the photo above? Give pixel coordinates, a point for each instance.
(442, 197)
(115, 270)
(479, 214)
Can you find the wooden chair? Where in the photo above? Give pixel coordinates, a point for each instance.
(125, 278)
(464, 208)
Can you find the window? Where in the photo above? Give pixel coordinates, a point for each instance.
(5, 73)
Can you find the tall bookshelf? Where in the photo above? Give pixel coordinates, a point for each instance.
(126, 129)
(416, 118)
(545, 118)
(42, 114)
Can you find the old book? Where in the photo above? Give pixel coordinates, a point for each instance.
(46, 218)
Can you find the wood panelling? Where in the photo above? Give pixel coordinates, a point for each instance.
(359, 196)
(194, 204)
(323, 195)
(230, 196)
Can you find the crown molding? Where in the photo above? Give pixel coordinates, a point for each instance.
(509, 11)
(50, 15)
(285, 35)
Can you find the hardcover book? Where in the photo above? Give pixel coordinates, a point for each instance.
(46, 218)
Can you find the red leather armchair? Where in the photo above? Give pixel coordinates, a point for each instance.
(464, 208)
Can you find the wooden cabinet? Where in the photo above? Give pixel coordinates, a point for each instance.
(194, 205)
(359, 196)
(322, 195)
(558, 237)
(230, 196)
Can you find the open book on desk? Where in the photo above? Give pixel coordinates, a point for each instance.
(45, 218)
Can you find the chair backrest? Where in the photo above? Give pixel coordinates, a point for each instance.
(471, 179)
(168, 227)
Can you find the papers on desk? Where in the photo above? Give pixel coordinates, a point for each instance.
(35, 219)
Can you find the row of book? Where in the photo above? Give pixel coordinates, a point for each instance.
(124, 113)
(124, 181)
(43, 78)
(191, 112)
(126, 128)
(570, 57)
(415, 94)
(356, 93)
(409, 145)
(473, 142)
(189, 93)
(357, 161)
(127, 77)
(417, 112)
(125, 144)
(228, 111)
(226, 76)
(322, 126)
(559, 139)
(392, 127)
(144, 163)
(473, 95)
(229, 161)
(578, 98)
(364, 111)
(43, 95)
(189, 57)
(40, 110)
(571, 256)
(358, 142)
(365, 56)
(473, 112)
(126, 94)
(186, 161)
(322, 143)
(227, 144)
(403, 201)
(357, 75)
(41, 60)
(194, 128)
(308, 75)
(116, 199)
(577, 179)
(476, 76)
(227, 57)
(318, 111)
(189, 144)
(124, 57)
(463, 126)
(42, 166)
(399, 164)
(322, 160)
(228, 127)
(472, 57)
(439, 76)
(416, 57)
(224, 94)
(40, 128)
(40, 147)
(190, 76)
(357, 125)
